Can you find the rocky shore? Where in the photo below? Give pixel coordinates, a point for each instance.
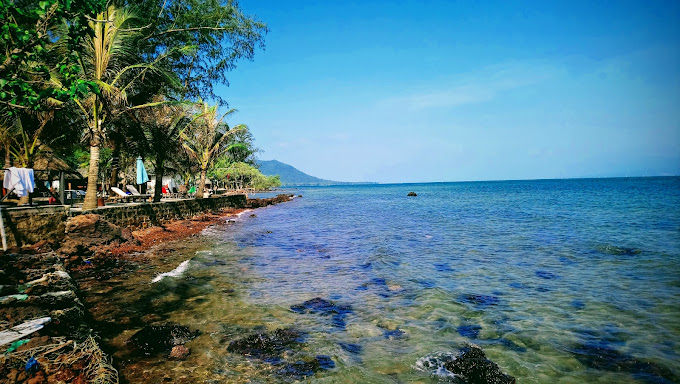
(36, 283)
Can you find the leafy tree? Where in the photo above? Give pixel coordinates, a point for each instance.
(27, 36)
(242, 175)
(218, 31)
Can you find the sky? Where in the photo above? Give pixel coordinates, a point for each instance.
(427, 91)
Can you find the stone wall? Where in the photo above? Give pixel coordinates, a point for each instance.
(135, 216)
(29, 225)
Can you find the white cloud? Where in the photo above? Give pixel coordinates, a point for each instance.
(473, 88)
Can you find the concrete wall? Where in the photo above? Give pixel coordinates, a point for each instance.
(29, 225)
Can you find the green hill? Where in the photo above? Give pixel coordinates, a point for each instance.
(291, 176)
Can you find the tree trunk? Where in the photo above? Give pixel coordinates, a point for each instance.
(8, 159)
(158, 189)
(93, 171)
(115, 159)
(201, 184)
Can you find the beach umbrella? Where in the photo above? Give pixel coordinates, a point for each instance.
(142, 177)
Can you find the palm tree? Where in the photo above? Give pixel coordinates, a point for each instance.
(109, 59)
(159, 135)
(205, 139)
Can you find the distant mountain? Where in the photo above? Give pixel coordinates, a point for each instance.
(291, 176)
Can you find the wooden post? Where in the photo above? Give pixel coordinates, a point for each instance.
(62, 188)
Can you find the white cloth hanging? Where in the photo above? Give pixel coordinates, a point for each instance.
(19, 180)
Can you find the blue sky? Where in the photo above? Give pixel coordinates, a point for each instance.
(419, 91)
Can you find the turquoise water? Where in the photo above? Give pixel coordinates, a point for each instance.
(558, 281)
(566, 264)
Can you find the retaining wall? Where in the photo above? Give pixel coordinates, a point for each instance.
(29, 225)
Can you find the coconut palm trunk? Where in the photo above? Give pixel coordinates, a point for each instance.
(201, 183)
(160, 172)
(92, 172)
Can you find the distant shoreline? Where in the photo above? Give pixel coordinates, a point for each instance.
(474, 181)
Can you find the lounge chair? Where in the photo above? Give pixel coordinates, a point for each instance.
(120, 195)
(136, 193)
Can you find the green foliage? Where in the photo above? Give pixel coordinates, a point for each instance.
(241, 175)
(28, 33)
(214, 35)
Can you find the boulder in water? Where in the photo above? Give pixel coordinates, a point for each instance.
(161, 338)
(325, 308)
(301, 369)
(480, 300)
(605, 358)
(473, 367)
(267, 346)
(470, 366)
(412, 194)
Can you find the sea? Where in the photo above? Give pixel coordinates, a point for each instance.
(558, 281)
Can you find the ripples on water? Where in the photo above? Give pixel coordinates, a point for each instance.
(570, 281)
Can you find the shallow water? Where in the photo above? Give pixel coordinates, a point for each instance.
(559, 281)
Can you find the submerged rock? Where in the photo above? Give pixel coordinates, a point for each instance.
(301, 369)
(618, 251)
(602, 357)
(469, 330)
(325, 308)
(161, 338)
(470, 366)
(480, 300)
(267, 346)
(275, 347)
(546, 275)
(351, 348)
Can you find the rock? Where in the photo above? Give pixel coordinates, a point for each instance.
(12, 376)
(161, 338)
(603, 357)
(80, 380)
(62, 376)
(546, 275)
(179, 352)
(480, 300)
(470, 366)
(253, 215)
(85, 232)
(325, 308)
(473, 366)
(267, 346)
(351, 348)
(412, 194)
(21, 377)
(394, 334)
(39, 378)
(618, 251)
(301, 369)
(469, 330)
